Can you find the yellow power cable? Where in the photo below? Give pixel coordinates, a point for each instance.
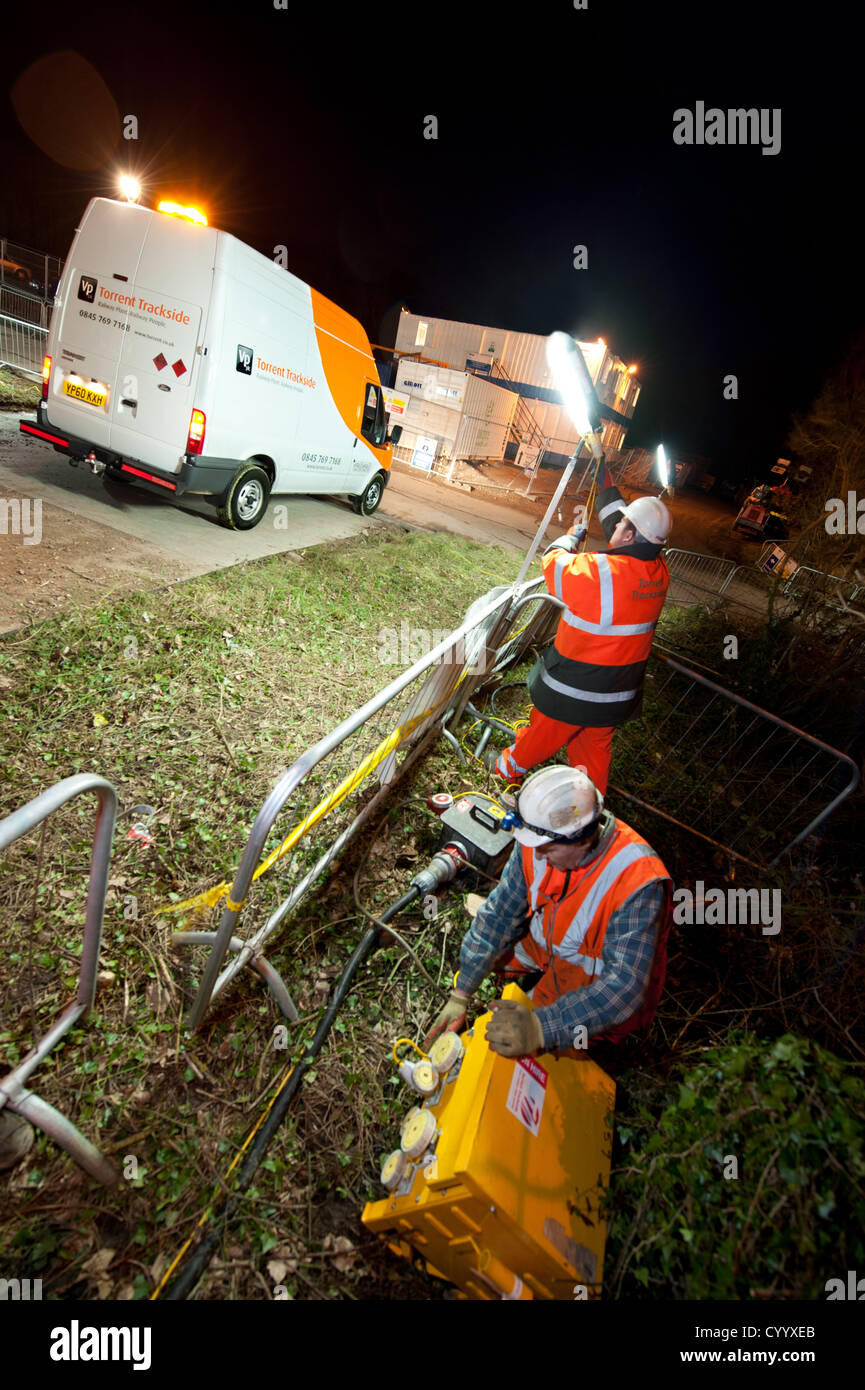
(208, 1211)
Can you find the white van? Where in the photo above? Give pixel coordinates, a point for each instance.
(181, 360)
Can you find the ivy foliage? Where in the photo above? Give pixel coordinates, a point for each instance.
(742, 1176)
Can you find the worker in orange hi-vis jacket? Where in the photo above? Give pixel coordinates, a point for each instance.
(591, 679)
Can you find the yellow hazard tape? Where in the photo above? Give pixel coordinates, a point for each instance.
(212, 896)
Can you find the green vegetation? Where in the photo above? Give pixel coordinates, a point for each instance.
(17, 392)
(742, 1177)
(193, 700)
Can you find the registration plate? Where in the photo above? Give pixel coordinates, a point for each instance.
(90, 395)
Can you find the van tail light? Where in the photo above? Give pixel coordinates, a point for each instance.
(197, 426)
(46, 374)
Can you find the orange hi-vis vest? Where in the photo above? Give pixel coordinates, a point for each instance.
(571, 912)
(593, 673)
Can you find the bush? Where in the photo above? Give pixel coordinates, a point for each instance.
(749, 1185)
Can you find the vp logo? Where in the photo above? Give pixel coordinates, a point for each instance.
(244, 359)
(87, 288)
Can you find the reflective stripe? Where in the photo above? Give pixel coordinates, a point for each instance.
(606, 580)
(575, 694)
(590, 964)
(539, 868)
(523, 957)
(508, 766)
(592, 902)
(608, 629)
(558, 570)
(610, 508)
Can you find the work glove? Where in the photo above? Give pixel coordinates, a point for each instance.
(451, 1019)
(514, 1031)
(578, 533)
(570, 543)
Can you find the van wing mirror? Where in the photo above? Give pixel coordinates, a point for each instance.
(395, 435)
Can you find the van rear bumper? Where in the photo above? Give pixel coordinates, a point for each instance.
(207, 476)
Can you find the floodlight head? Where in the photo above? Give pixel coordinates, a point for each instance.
(563, 363)
(663, 466)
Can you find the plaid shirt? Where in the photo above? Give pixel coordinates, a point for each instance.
(627, 953)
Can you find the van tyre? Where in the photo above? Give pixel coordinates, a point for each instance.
(369, 499)
(245, 502)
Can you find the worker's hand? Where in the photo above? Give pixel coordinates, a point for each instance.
(578, 533)
(515, 1031)
(563, 543)
(451, 1019)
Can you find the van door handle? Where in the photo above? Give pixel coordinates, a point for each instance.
(125, 401)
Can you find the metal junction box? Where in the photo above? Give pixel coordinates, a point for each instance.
(505, 1200)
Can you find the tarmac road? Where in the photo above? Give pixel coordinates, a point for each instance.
(96, 536)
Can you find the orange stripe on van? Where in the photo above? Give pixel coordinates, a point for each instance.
(347, 358)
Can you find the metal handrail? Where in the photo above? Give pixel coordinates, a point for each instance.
(12, 1090)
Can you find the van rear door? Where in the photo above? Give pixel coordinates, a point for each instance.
(87, 327)
(159, 359)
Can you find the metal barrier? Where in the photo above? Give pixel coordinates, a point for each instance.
(711, 580)
(22, 345)
(23, 268)
(713, 763)
(805, 581)
(750, 588)
(18, 304)
(380, 740)
(695, 577)
(13, 1093)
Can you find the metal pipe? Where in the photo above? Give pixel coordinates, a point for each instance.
(252, 945)
(268, 973)
(541, 531)
(39, 1113)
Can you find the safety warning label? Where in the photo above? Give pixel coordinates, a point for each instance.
(526, 1096)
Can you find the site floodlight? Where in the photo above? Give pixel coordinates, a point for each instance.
(130, 188)
(663, 466)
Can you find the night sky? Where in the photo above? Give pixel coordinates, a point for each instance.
(305, 127)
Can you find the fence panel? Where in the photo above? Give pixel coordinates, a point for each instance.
(22, 345)
(738, 776)
(750, 588)
(695, 578)
(330, 785)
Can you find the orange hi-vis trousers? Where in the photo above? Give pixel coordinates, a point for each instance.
(588, 748)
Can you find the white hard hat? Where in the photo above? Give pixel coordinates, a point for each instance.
(556, 803)
(650, 517)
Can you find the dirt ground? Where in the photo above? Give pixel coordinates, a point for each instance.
(700, 522)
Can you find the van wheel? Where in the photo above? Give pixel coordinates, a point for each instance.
(369, 499)
(246, 500)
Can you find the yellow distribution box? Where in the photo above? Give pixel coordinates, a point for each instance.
(500, 1177)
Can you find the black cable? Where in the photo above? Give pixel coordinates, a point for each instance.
(200, 1258)
(508, 685)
